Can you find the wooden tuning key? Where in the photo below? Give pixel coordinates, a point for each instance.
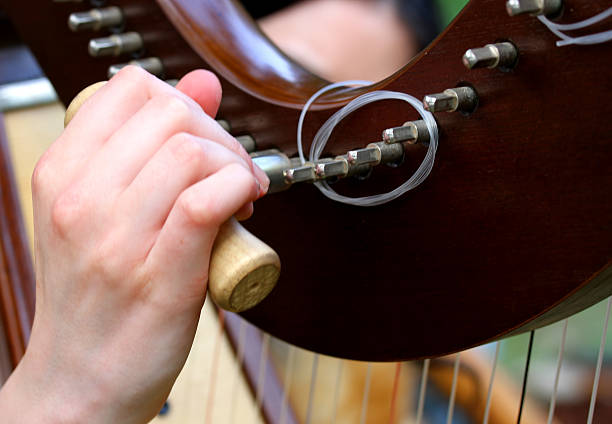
(243, 269)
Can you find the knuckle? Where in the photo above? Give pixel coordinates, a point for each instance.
(131, 73)
(197, 211)
(42, 173)
(67, 211)
(106, 264)
(186, 149)
(174, 108)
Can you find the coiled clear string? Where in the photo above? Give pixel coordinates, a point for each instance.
(566, 40)
(322, 136)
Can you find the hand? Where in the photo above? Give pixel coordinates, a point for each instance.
(127, 203)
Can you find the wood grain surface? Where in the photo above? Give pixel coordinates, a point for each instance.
(513, 220)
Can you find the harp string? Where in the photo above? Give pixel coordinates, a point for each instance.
(602, 346)
(421, 404)
(261, 374)
(212, 385)
(337, 391)
(553, 397)
(289, 367)
(366, 394)
(485, 419)
(451, 400)
(239, 360)
(313, 379)
(398, 370)
(524, 390)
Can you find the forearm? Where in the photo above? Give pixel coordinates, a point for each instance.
(29, 396)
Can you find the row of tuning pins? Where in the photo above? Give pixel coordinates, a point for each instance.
(357, 162)
(117, 43)
(284, 171)
(501, 55)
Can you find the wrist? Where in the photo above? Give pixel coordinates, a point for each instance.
(36, 392)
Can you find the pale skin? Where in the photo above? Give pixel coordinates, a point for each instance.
(127, 204)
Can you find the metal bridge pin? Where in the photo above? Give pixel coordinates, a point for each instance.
(152, 65)
(411, 132)
(533, 7)
(115, 45)
(463, 99)
(95, 19)
(300, 174)
(502, 55)
(366, 156)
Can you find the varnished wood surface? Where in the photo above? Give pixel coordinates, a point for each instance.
(514, 218)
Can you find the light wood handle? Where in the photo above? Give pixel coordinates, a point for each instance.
(243, 269)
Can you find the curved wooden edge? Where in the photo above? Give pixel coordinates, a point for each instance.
(17, 286)
(224, 35)
(591, 292)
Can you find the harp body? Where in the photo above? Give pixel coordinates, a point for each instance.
(510, 232)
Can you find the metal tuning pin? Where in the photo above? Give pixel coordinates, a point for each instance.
(152, 65)
(95, 19)
(463, 99)
(533, 7)
(499, 55)
(115, 45)
(247, 142)
(224, 124)
(331, 168)
(411, 132)
(366, 156)
(274, 163)
(300, 174)
(390, 154)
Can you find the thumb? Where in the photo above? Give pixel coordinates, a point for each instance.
(203, 87)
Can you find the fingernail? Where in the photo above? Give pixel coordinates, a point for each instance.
(262, 179)
(261, 190)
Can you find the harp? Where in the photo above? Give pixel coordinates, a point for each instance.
(513, 224)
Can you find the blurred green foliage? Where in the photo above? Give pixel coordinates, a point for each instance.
(449, 9)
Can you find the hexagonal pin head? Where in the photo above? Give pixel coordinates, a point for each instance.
(115, 44)
(533, 7)
(411, 132)
(300, 174)
(331, 168)
(95, 19)
(502, 55)
(152, 65)
(463, 99)
(366, 156)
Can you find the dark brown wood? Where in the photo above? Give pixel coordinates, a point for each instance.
(514, 219)
(16, 275)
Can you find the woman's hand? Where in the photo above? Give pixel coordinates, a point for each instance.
(127, 203)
